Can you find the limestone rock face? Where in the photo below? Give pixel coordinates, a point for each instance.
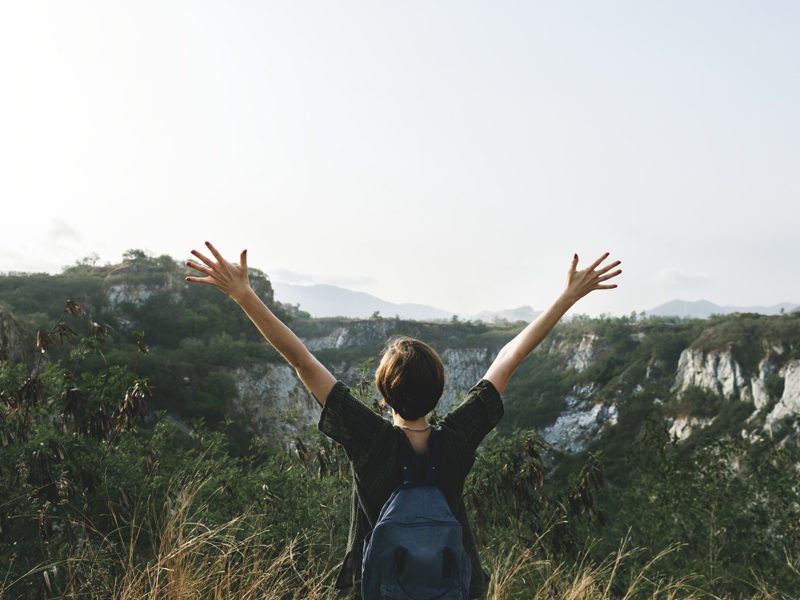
(575, 428)
(14, 342)
(582, 355)
(759, 389)
(715, 371)
(358, 333)
(120, 294)
(789, 404)
(682, 427)
(718, 372)
(139, 293)
(766, 366)
(463, 368)
(273, 401)
(126, 293)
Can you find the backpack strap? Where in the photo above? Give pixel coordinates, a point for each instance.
(406, 460)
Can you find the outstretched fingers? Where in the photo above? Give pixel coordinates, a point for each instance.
(204, 258)
(216, 254)
(198, 267)
(593, 266)
(201, 280)
(580, 283)
(610, 275)
(609, 267)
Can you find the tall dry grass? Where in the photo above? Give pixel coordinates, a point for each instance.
(231, 560)
(190, 559)
(235, 560)
(519, 571)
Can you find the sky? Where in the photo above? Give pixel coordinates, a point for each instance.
(451, 153)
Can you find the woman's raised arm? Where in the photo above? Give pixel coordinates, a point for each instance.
(232, 280)
(579, 283)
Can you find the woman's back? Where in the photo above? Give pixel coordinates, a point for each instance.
(418, 440)
(373, 447)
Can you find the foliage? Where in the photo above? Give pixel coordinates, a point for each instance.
(695, 401)
(505, 492)
(86, 471)
(747, 334)
(196, 334)
(731, 508)
(123, 476)
(538, 389)
(774, 383)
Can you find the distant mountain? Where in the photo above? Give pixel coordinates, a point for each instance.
(323, 300)
(522, 313)
(701, 309)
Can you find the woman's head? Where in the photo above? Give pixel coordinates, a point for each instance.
(410, 377)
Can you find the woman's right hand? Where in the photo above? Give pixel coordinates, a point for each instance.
(580, 283)
(230, 278)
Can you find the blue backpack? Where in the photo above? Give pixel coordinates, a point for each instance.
(415, 550)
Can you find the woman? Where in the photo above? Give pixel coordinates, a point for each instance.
(410, 378)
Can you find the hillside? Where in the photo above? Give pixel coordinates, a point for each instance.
(634, 426)
(700, 309)
(736, 375)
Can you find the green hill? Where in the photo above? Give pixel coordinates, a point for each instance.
(120, 382)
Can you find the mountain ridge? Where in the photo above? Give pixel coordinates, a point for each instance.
(704, 308)
(327, 300)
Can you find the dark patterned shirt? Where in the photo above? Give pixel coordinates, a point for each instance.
(372, 445)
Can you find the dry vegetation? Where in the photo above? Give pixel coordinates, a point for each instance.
(232, 561)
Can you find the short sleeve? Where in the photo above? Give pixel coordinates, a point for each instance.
(352, 424)
(477, 415)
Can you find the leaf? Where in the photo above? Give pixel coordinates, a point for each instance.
(42, 341)
(31, 389)
(70, 400)
(62, 330)
(99, 331)
(73, 308)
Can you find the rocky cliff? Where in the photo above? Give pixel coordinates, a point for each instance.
(272, 400)
(719, 373)
(589, 381)
(591, 408)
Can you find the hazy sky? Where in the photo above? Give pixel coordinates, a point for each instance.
(448, 153)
